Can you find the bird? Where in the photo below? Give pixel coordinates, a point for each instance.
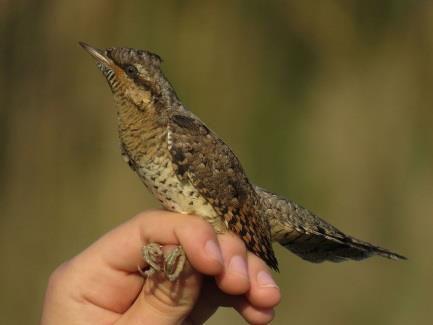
(191, 170)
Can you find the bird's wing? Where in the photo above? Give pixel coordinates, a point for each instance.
(204, 160)
(311, 237)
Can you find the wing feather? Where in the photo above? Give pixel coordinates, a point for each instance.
(205, 161)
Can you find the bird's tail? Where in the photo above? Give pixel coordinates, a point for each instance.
(312, 238)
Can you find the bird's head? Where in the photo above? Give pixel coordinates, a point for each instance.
(133, 75)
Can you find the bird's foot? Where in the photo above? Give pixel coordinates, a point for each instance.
(171, 263)
(154, 257)
(174, 263)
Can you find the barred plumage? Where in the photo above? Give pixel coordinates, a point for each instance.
(191, 170)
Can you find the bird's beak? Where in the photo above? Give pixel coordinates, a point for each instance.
(97, 54)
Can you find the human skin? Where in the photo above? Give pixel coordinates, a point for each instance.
(102, 285)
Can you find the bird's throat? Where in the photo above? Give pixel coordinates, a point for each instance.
(141, 130)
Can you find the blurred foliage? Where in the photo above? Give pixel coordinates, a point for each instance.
(329, 103)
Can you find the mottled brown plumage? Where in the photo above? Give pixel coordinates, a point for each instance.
(190, 169)
(206, 162)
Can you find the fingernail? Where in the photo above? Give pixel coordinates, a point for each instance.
(213, 250)
(264, 279)
(238, 265)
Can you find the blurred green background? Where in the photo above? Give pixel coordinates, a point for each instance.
(327, 102)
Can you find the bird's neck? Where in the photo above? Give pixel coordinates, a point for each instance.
(143, 117)
(142, 130)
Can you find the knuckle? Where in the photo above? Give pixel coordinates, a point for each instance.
(194, 227)
(233, 241)
(59, 274)
(199, 222)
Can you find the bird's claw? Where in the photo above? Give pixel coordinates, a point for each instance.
(174, 263)
(171, 263)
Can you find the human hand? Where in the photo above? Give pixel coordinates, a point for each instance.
(102, 285)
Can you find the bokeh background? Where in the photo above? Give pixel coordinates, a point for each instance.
(327, 102)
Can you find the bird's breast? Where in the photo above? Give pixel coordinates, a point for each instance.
(159, 176)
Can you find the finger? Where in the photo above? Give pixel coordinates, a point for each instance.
(214, 298)
(252, 314)
(234, 278)
(164, 302)
(211, 298)
(200, 244)
(107, 270)
(264, 292)
(121, 248)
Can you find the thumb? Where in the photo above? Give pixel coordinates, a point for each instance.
(164, 302)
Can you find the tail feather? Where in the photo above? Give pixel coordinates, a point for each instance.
(312, 238)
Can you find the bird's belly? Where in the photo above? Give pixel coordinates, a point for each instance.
(175, 195)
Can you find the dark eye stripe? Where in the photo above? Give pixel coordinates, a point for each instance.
(146, 85)
(132, 72)
(142, 83)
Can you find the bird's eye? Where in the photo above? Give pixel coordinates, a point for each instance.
(131, 70)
